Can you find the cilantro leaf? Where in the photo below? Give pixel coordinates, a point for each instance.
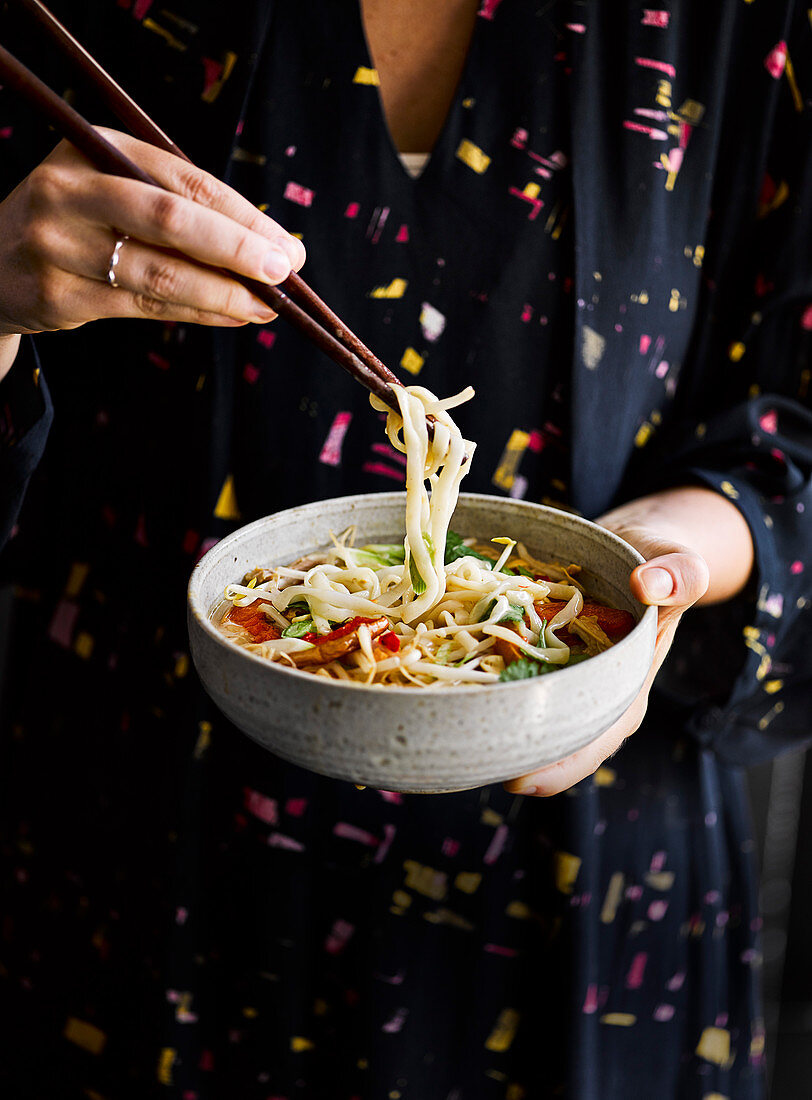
(456, 548)
(514, 614)
(298, 630)
(524, 669)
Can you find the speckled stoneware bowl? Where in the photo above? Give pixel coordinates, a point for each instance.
(412, 739)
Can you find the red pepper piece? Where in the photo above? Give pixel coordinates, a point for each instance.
(614, 623)
(255, 622)
(390, 640)
(339, 632)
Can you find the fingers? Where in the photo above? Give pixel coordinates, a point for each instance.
(558, 777)
(206, 190)
(671, 580)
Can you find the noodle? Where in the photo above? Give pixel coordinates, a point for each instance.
(412, 614)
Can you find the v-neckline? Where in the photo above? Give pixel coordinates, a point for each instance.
(453, 108)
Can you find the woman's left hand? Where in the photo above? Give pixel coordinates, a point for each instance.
(674, 577)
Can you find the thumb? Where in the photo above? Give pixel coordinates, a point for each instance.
(671, 580)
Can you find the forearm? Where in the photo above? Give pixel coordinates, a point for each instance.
(702, 520)
(9, 346)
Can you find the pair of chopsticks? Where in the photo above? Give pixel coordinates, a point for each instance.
(293, 299)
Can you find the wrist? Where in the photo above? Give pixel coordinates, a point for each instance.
(9, 346)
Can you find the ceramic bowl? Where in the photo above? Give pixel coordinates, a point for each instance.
(412, 739)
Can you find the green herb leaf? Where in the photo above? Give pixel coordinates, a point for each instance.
(514, 614)
(384, 553)
(456, 548)
(298, 630)
(523, 669)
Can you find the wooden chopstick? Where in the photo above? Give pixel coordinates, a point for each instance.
(322, 326)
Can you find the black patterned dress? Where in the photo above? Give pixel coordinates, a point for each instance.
(609, 242)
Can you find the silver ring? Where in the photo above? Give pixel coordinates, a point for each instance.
(111, 270)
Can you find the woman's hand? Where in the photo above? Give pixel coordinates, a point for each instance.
(58, 230)
(698, 549)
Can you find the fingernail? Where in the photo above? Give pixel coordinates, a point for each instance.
(658, 583)
(277, 264)
(263, 312)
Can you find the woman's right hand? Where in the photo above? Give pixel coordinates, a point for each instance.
(58, 230)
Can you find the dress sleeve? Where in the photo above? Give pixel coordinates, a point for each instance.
(758, 453)
(25, 420)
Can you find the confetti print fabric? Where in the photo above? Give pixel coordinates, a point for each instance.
(611, 241)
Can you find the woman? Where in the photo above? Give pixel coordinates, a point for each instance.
(583, 244)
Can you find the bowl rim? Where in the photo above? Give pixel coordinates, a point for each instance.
(273, 668)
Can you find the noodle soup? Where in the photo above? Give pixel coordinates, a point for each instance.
(348, 613)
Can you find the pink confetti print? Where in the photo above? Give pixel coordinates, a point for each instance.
(383, 849)
(212, 71)
(488, 9)
(652, 63)
(663, 1013)
(338, 937)
(397, 1021)
(295, 806)
(657, 862)
(450, 847)
(497, 949)
(768, 422)
(806, 318)
(652, 18)
(6, 132)
(353, 210)
(63, 623)
(576, 28)
(331, 451)
(181, 915)
(535, 442)
(796, 568)
(645, 344)
(352, 832)
(266, 337)
(657, 910)
(640, 128)
(395, 798)
(402, 236)
(634, 979)
(141, 7)
(497, 845)
(776, 60)
(250, 373)
(527, 313)
(520, 138)
(261, 806)
(676, 983)
(279, 840)
(386, 451)
(384, 471)
(298, 193)
(591, 1000)
(535, 204)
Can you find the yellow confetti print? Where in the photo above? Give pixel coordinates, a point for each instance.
(449, 918)
(691, 111)
(659, 880)
(226, 507)
(365, 75)
(401, 898)
(396, 289)
(765, 720)
(412, 361)
(181, 666)
(511, 457)
(491, 817)
(515, 1092)
(76, 579)
(468, 881)
(531, 191)
(203, 740)
(619, 1019)
(298, 1043)
(772, 686)
(566, 871)
(425, 880)
(764, 667)
(91, 1094)
(614, 895)
(250, 1013)
(644, 434)
(716, 1095)
(714, 1045)
(729, 490)
(83, 645)
(473, 156)
(736, 351)
(518, 909)
(166, 1061)
(171, 41)
(211, 94)
(504, 1031)
(84, 1035)
(604, 777)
